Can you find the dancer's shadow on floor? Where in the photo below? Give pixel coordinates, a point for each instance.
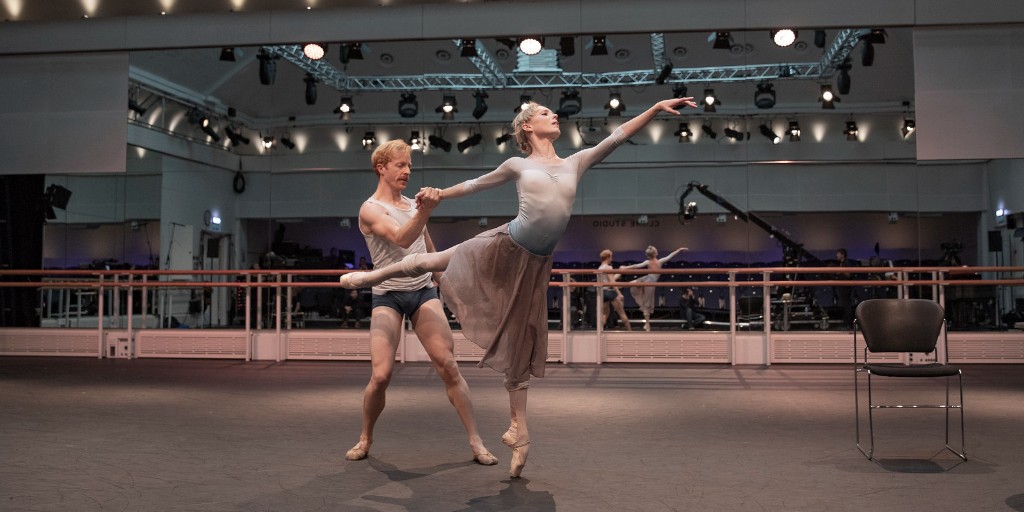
(516, 496)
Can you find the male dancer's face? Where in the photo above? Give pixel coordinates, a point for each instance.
(396, 172)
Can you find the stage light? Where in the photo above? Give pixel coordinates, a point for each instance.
(567, 46)
(827, 98)
(843, 78)
(819, 38)
(414, 140)
(531, 45)
(345, 108)
(287, 141)
(570, 104)
(666, 71)
(867, 54)
(764, 96)
(369, 140)
(876, 36)
(314, 51)
(481, 104)
(679, 91)
(469, 142)
(408, 106)
(784, 37)
(599, 46)
(438, 142)
(468, 48)
(684, 132)
(710, 100)
(733, 134)
(268, 67)
(769, 134)
(235, 136)
(720, 40)
(615, 105)
(794, 131)
(310, 89)
(135, 107)
(851, 131)
(350, 51)
(227, 54)
(690, 210)
(268, 142)
(197, 118)
(708, 130)
(447, 108)
(503, 138)
(909, 127)
(524, 101)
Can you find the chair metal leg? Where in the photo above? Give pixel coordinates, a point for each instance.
(871, 429)
(963, 447)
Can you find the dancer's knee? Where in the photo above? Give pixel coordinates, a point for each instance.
(514, 384)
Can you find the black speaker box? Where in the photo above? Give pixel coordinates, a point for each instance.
(213, 249)
(995, 241)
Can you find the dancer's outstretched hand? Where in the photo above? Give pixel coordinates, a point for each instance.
(671, 105)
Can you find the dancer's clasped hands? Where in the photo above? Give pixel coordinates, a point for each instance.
(428, 198)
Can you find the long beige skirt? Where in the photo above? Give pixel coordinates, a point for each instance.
(498, 293)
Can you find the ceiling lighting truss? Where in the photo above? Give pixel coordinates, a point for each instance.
(542, 71)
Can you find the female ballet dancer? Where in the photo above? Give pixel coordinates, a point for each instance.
(496, 283)
(644, 295)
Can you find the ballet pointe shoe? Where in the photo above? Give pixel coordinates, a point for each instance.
(352, 280)
(509, 437)
(519, 453)
(485, 458)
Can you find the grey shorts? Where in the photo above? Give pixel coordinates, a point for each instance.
(406, 303)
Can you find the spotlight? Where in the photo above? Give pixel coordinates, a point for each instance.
(733, 134)
(784, 37)
(524, 101)
(690, 210)
(268, 142)
(819, 38)
(447, 108)
(567, 46)
(876, 36)
(57, 196)
(469, 142)
(481, 105)
(414, 140)
(268, 67)
(503, 138)
(135, 107)
(851, 131)
(369, 140)
(408, 106)
(314, 51)
(843, 78)
(867, 54)
(350, 51)
(345, 108)
(769, 134)
(827, 98)
(531, 45)
(615, 105)
(438, 142)
(570, 104)
(794, 131)
(227, 54)
(764, 97)
(684, 132)
(679, 91)
(708, 130)
(599, 46)
(197, 118)
(666, 71)
(468, 48)
(909, 126)
(287, 141)
(710, 100)
(235, 136)
(310, 89)
(720, 40)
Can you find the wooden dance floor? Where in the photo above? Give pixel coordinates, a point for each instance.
(205, 435)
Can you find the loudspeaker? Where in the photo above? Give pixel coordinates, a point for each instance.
(995, 241)
(58, 196)
(213, 249)
(1011, 221)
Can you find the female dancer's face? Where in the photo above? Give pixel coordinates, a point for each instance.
(544, 123)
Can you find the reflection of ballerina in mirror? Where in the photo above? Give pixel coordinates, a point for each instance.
(644, 295)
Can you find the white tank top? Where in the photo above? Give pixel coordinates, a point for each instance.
(384, 253)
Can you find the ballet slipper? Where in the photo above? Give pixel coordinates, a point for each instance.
(358, 452)
(519, 453)
(509, 437)
(485, 458)
(352, 280)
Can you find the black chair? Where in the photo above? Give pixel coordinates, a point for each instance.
(904, 326)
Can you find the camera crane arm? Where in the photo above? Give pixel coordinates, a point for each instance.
(788, 244)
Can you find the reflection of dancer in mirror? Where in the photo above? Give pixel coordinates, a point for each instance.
(644, 295)
(612, 295)
(496, 283)
(395, 227)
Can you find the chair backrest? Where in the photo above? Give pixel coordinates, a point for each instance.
(900, 325)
